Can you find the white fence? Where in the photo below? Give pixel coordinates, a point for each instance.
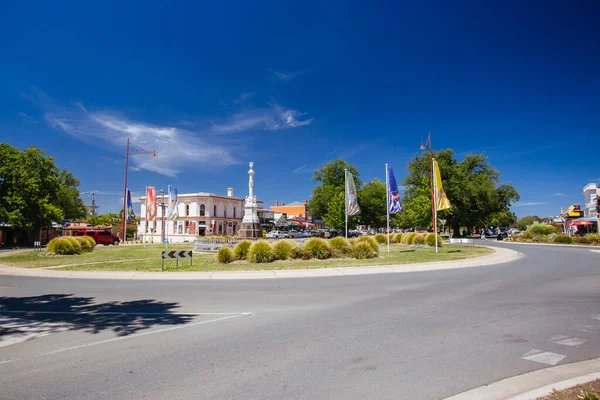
(462, 241)
(214, 244)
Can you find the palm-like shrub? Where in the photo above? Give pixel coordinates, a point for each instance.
(225, 255)
(284, 250)
(241, 249)
(397, 238)
(408, 237)
(85, 245)
(381, 238)
(75, 243)
(430, 239)
(318, 248)
(370, 241)
(362, 250)
(61, 245)
(418, 239)
(341, 244)
(260, 252)
(90, 240)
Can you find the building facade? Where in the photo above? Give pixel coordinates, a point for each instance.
(293, 210)
(199, 214)
(590, 194)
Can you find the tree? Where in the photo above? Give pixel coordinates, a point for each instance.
(336, 213)
(33, 191)
(104, 219)
(524, 222)
(472, 186)
(372, 201)
(331, 178)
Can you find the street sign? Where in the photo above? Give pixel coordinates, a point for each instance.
(176, 255)
(443, 221)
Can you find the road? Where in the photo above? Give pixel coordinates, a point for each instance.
(422, 335)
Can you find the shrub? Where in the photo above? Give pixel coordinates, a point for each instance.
(284, 249)
(225, 255)
(341, 244)
(370, 241)
(397, 238)
(362, 250)
(593, 238)
(541, 229)
(541, 239)
(75, 243)
(419, 239)
(430, 239)
(381, 238)
(527, 235)
(303, 254)
(85, 245)
(564, 239)
(91, 241)
(61, 245)
(260, 252)
(409, 237)
(318, 248)
(241, 249)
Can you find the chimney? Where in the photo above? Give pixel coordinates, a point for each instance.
(276, 203)
(305, 202)
(229, 192)
(282, 204)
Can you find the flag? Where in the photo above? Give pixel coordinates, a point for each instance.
(394, 203)
(441, 200)
(150, 203)
(352, 207)
(130, 213)
(172, 209)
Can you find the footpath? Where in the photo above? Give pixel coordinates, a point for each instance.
(499, 256)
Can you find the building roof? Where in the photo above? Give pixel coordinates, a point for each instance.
(199, 194)
(293, 204)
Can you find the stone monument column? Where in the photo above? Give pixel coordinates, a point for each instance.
(251, 227)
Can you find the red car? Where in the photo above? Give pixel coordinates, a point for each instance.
(101, 237)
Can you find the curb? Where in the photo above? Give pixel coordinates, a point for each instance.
(499, 256)
(577, 246)
(537, 383)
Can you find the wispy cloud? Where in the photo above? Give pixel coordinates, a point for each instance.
(242, 98)
(299, 169)
(559, 194)
(330, 153)
(273, 118)
(26, 117)
(285, 76)
(529, 204)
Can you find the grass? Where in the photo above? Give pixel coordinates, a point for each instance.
(587, 391)
(148, 259)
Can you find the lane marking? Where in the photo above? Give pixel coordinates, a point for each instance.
(544, 357)
(573, 341)
(116, 313)
(121, 338)
(595, 251)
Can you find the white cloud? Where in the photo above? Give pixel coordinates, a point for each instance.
(273, 118)
(243, 97)
(559, 194)
(529, 203)
(299, 169)
(288, 75)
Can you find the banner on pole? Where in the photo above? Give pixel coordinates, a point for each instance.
(130, 214)
(172, 202)
(441, 200)
(352, 207)
(150, 203)
(394, 202)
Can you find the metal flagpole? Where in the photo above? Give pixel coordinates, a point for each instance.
(434, 205)
(346, 198)
(146, 219)
(387, 201)
(167, 220)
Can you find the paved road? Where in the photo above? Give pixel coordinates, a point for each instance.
(424, 335)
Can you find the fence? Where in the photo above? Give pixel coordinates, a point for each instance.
(214, 244)
(462, 241)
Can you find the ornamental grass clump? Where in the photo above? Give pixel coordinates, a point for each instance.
(370, 241)
(75, 243)
(225, 255)
(541, 229)
(381, 238)
(430, 239)
(284, 250)
(260, 252)
(397, 238)
(341, 244)
(418, 239)
(408, 238)
(563, 239)
(61, 246)
(362, 251)
(85, 244)
(241, 249)
(318, 248)
(90, 240)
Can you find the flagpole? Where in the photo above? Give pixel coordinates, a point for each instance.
(146, 220)
(346, 198)
(387, 201)
(167, 219)
(434, 205)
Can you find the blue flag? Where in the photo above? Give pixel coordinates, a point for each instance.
(395, 205)
(130, 213)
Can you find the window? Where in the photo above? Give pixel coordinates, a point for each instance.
(225, 212)
(214, 211)
(187, 210)
(234, 213)
(202, 210)
(104, 233)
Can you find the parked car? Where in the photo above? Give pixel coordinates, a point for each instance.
(308, 234)
(293, 233)
(101, 237)
(277, 235)
(353, 233)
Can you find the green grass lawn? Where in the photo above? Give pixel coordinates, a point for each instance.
(138, 258)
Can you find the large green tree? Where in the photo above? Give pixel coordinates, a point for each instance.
(331, 182)
(524, 222)
(472, 186)
(34, 192)
(372, 202)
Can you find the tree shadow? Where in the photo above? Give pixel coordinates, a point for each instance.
(65, 312)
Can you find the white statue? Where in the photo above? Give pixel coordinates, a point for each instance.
(251, 181)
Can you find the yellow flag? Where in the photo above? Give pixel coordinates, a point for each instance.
(441, 200)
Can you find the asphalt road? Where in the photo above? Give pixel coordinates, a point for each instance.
(423, 335)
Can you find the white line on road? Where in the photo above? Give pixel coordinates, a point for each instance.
(544, 357)
(123, 338)
(116, 313)
(568, 341)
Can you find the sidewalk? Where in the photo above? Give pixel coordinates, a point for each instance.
(537, 383)
(500, 256)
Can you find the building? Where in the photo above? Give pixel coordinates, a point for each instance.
(590, 196)
(292, 210)
(199, 214)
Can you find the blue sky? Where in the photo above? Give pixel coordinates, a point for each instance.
(214, 85)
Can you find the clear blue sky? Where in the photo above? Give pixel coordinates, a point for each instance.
(213, 85)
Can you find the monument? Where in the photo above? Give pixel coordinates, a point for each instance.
(250, 224)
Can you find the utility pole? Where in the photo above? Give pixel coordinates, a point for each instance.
(93, 195)
(163, 203)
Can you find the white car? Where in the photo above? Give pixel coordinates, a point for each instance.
(277, 235)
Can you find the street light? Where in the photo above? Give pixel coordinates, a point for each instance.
(127, 153)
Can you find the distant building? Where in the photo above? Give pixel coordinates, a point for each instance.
(200, 214)
(590, 194)
(293, 210)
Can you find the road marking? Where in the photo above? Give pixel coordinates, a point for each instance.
(123, 338)
(595, 251)
(597, 316)
(25, 330)
(115, 313)
(544, 357)
(568, 341)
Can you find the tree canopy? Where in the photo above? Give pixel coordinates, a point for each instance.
(34, 192)
(524, 222)
(331, 179)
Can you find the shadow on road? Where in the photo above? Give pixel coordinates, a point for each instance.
(60, 312)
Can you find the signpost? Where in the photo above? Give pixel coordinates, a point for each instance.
(176, 255)
(443, 221)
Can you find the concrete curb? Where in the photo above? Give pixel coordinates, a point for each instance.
(500, 256)
(577, 246)
(537, 383)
